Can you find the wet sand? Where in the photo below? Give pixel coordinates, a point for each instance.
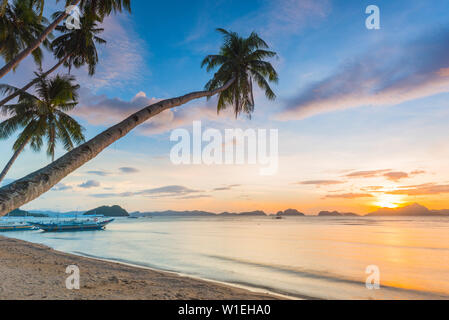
(36, 272)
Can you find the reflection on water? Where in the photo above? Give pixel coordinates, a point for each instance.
(304, 256)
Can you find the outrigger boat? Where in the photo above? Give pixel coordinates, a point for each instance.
(73, 225)
(15, 226)
(9, 223)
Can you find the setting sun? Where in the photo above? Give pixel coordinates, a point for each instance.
(388, 201)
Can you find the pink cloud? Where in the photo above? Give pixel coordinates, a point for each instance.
(101, 110)
(383, 76)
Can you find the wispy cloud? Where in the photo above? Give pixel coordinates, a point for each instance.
(386, 75)
(168, 190)
(181, 117)
(101, 110)
(89, 184)
(226, 188)
(128, 170)
(396, 175)
(122, 59)
(349, 195)
(199, 196)
(100, 173)
(291, 16)
(372, 188)
(321, 182)
(424, 189)
(367, 174)
(272, 19)
(161, 192)
(387, 173)
(281, 18)
(62, 187)
(122, 170)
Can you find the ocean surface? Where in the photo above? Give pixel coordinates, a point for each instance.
(315, 257)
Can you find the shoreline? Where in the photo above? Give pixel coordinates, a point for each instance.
(243, 286)
(30, 271)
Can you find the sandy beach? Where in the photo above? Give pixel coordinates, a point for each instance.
(33, 272)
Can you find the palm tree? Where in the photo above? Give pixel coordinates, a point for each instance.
(38, 3)
(239, 58)
(100, 7)
(19, 26)
(243, 60)
(78, 45)
(75, 47)
(43, 117)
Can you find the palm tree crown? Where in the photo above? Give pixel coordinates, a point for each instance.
(79, 44)
(75, 47)
(44, 115)
(242, 60)
(20, 25)
(103, 7)
(38, 3)
(100, 7)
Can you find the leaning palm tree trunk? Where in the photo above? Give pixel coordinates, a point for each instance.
(32, 186)
(33, 82)
(22, 55)
(12, 160)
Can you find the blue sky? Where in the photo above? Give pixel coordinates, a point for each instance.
(349, 100)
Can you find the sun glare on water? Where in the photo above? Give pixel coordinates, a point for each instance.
(388, 201)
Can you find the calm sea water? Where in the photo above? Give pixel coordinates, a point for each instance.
(303, 256)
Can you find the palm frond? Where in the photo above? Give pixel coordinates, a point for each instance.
(9, 126)
(24, 136)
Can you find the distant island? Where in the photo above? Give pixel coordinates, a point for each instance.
(113, 211)
(107, 211)
(337, 214)
(250, 213)
(23, 213)
(290, 213)
(414, 210)
(195, 213)
(410, 210)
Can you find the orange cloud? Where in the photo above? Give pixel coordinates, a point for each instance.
(424, 189)
(366, 174)
(387, 173)
(321, 182)
(350, 195)
(396, 175)
(372, 188)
